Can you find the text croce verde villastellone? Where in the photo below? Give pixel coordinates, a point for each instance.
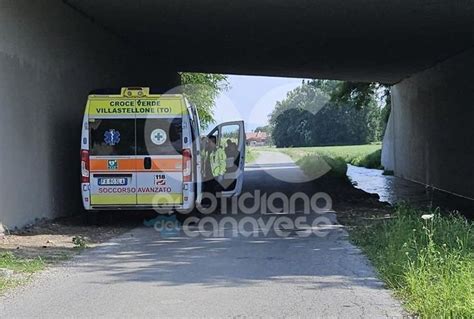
(133, 107)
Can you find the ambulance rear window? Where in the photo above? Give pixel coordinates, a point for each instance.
(162, 136)
(112, 137)
(150, 136)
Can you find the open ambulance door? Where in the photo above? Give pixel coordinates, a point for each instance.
(229, 137)
(196, 135)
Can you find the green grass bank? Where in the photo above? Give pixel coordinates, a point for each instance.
(428, 259)
(317, 161)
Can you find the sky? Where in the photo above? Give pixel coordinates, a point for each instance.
(252, 98)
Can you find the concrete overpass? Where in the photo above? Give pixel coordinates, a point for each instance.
(52, 53)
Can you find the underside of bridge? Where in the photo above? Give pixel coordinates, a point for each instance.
(359, 40)
(53, 53)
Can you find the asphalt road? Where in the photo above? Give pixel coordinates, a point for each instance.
(284, 271)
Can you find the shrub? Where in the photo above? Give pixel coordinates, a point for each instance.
(79, 242)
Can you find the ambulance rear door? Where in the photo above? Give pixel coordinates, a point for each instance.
(159, 156)
(196, 146)
(112, 160)
(230, 136)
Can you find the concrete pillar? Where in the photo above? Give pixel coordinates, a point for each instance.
(50, 58)
(430, 135)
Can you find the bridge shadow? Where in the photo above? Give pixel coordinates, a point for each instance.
(230, 261)
(315, 255)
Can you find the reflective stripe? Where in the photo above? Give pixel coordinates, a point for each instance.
(151, 199)
(157, 199)
(114, 199)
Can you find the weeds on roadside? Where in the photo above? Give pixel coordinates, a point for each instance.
(12, 262)
(79, 242)
(19, 266)
(428, 259)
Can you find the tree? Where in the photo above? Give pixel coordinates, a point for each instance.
(202, 89)
(344, 125)
(306, 97)
(292, 128)
(360, 94)
(318, 120)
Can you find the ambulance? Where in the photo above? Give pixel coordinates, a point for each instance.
(143, 150)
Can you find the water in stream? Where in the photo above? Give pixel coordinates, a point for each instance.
(393, 189)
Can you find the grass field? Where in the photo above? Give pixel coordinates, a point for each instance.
(427, 259)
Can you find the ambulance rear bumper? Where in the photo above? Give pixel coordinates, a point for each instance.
(187, 204)
(161, 208)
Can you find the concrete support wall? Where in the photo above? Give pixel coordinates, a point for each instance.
(430, 135)
(51, 56)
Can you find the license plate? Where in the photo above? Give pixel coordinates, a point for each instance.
(112, 181)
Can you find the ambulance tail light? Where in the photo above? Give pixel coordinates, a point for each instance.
(85, 166)
(187, 165)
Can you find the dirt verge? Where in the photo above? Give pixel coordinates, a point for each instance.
(60, 238)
